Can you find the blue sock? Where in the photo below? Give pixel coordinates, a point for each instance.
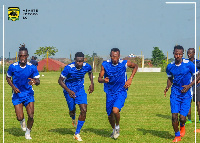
(177, 134)
(73, 118)
(182, 125)
(79, 126)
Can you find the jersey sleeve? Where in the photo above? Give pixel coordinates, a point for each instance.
(104, 63)
(65, 72)
(89, 68)
(192, 68)
(10, 71)
(169, 74)
(35, 72)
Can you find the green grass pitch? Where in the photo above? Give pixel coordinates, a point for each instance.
(145, 118)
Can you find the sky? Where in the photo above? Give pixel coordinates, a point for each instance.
(133, 26)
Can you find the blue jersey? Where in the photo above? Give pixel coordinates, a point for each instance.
(116, 74)
(74, 78)
(181, 74)
(20, 76)
(198, 68)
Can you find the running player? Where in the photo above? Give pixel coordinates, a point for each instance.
(72, 82)
(191, 53)
(115, 86)
(24, 76)
(179, 76)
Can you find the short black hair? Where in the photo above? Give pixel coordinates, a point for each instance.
(191, 49)
(79, 54)
(114, 50)
(23, 48)
(178, 47)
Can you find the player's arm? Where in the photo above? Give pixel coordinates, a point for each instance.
(34, 81)
(187, 87)
(15, 89)
(91, 87)
(101, 74)
(169, 84)
(63, 85)
(135, 67)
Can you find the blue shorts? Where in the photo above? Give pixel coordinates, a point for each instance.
(81, 98)
(22, 97)
(180, 105)
(115, 100)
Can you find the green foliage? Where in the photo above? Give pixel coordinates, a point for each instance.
(157, 57)
(97, 61)
(6, 66)
(42, 51)
(163, 65)
(88, 59)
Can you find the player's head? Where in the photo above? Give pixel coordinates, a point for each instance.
(79, 59)
(115, 55)
(190, 53)
(23, 54)
(178, 53)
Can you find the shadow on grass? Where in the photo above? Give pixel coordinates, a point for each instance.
(161, 134)
(15, 131)
(100, 132)
(164, 116)
(63, 131)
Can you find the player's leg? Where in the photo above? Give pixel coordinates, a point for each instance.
(198, 109)
(175, 125)
(20, 115)
(117, 118)
(175, 122)
(72, 114)
(111, 117)
(30, 112)
(198, 101)
(116, 114)
(72, 111)
(189, 116)
(175, 109)
(184, 109)
(82, 117)
(118, 104)
(81, 121)
(182, 125)
(112, 120)
(81, 100)
(72, 108)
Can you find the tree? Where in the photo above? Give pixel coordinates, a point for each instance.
(43, 51)
(157, 57)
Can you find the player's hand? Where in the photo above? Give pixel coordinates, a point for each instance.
(16, 90)
(106, 80)
(165, 91)
(32, 81)
(128, 83)
(71, 94)
(198, 81)
(91, 88)
(185, 89)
